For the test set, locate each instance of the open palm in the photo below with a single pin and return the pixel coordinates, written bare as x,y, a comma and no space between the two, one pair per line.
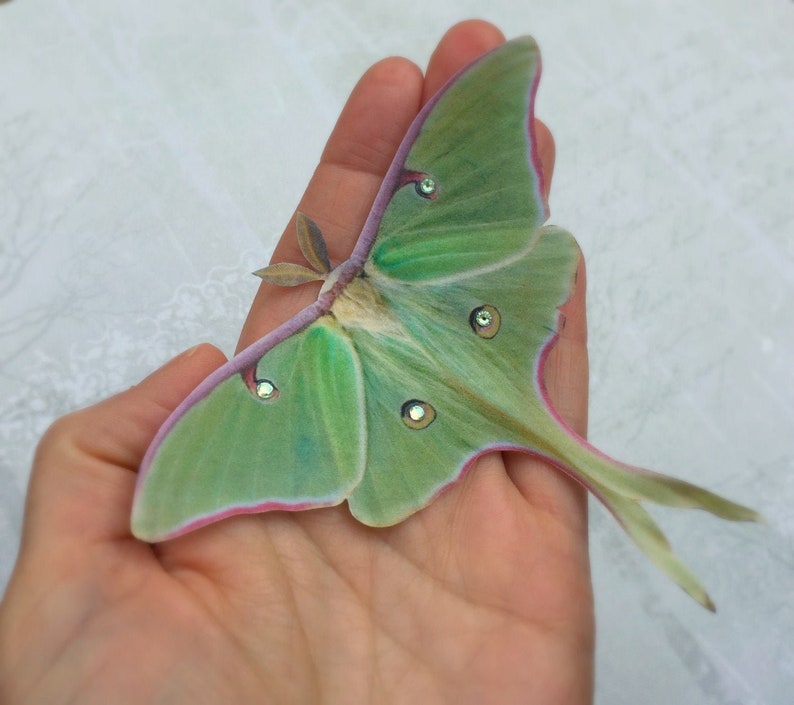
484,596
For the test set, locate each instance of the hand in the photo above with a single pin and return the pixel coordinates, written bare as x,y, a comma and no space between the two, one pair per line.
484,596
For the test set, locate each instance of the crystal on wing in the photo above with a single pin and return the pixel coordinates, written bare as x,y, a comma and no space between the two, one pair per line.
266,390
417,414
485,321
426,187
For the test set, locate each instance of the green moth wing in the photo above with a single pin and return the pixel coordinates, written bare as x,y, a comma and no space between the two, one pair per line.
474,162
209,460
478,378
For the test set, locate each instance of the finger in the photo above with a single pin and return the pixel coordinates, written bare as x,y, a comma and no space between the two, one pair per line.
546,154
460,45
566,378
339,195
85,466
567,366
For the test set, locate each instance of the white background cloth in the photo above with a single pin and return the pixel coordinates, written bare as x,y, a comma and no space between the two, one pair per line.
151,153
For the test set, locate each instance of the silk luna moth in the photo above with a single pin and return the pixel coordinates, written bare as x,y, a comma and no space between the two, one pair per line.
424,350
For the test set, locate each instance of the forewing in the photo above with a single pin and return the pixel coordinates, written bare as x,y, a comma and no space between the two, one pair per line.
296,444
468,191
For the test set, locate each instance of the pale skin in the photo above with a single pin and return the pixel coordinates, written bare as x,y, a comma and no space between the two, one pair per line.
484,596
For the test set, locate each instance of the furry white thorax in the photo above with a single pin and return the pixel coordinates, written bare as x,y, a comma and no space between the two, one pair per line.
360,305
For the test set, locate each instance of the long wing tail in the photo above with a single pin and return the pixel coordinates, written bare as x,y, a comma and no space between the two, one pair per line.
621,487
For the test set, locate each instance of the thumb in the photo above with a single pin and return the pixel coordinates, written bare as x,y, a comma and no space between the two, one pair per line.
84,471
